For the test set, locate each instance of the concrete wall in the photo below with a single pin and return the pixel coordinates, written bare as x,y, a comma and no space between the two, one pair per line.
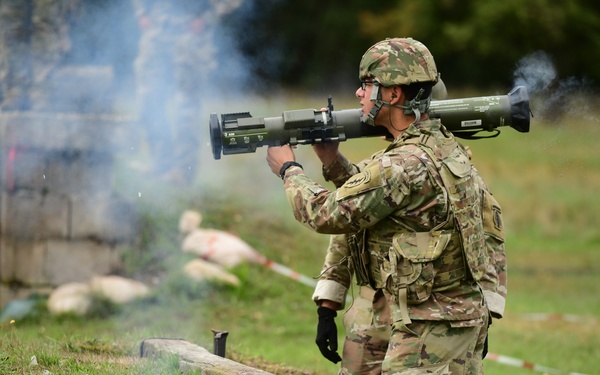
61,219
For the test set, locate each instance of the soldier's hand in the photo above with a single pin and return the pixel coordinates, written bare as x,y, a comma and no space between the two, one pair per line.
278,155
327,152
327,334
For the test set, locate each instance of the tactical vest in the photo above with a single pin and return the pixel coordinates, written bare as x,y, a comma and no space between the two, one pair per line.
454,167
414,264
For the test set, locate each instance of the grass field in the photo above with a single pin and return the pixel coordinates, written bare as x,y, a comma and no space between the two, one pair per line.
547,182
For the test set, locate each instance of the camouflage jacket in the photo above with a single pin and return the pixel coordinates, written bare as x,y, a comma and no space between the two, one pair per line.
401,196
337,271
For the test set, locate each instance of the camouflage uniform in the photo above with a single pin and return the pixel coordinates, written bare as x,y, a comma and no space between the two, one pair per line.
410,227
176,57
367,322
33,42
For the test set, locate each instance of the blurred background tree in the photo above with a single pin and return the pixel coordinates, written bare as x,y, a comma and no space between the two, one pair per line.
476,43
316,45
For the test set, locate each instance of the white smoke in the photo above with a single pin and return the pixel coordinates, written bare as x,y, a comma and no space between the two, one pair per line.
552,97
536,72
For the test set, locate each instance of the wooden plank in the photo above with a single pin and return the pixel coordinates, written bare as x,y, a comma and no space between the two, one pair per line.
195,358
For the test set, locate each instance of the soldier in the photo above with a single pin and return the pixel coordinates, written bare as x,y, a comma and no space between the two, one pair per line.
34,41
367,322
175,59
408,223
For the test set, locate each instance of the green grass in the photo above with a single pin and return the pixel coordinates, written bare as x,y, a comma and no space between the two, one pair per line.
547,182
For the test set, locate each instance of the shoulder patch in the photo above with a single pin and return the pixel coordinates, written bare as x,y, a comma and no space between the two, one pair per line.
492,216
369,179
361,178
497,214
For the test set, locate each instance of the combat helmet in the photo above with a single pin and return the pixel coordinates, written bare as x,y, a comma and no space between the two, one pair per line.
398,61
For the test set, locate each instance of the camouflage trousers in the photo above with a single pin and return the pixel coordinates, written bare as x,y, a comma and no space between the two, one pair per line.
368,329
376,344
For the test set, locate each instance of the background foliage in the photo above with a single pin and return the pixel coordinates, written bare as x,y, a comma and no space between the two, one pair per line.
476,43
312,44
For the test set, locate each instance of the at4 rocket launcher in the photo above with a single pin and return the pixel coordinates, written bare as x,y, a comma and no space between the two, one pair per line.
468,118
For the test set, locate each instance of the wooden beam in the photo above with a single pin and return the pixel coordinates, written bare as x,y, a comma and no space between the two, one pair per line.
194,358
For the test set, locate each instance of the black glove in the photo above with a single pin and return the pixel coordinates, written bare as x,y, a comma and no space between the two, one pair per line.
485,344
327,334
485,348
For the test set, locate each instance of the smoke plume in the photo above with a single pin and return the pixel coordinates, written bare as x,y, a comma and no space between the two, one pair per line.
552,97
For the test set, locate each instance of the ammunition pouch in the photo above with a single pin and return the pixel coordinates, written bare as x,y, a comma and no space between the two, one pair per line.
410,267
415,266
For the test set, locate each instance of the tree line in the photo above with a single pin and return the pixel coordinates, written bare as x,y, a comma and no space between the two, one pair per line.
476,43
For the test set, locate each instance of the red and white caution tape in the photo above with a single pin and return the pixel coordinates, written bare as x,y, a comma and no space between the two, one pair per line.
528,365
559,317
283,270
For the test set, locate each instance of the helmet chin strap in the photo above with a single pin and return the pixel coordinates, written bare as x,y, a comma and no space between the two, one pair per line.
376,98
415,106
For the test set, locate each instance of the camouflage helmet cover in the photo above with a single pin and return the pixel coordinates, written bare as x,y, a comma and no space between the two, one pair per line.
398,61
